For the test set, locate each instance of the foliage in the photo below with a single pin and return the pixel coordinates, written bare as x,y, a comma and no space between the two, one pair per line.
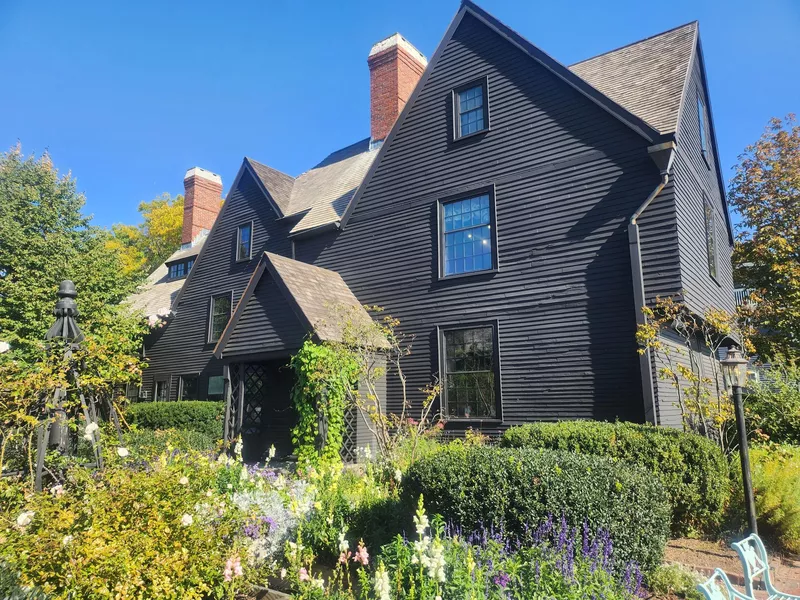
775,470
514,489
154,442
766,194
554,561
703,400
379,348
693,470
324,378
356,500
195,415
674,580
773,404
144,247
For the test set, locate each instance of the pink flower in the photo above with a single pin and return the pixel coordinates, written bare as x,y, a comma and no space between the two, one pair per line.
233,568
344,556
304,575
361,555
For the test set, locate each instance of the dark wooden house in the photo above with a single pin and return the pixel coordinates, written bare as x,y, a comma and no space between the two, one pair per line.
514,214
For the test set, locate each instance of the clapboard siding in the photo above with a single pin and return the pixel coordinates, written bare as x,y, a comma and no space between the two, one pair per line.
183,347
268,323
567,176
658,233
694,176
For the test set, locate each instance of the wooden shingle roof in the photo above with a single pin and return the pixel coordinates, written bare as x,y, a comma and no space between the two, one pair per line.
646,77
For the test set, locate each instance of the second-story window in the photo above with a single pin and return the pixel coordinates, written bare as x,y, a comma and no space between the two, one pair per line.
220,314
471,106
468,240
711,237
702,126
244,242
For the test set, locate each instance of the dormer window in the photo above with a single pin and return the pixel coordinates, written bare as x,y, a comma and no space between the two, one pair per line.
471,108
244,242
180,269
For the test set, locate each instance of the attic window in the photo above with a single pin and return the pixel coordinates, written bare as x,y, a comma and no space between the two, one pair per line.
702,127
180,269
471,108
244,242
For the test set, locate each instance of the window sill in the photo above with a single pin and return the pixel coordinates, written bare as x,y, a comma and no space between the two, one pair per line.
472,135
470,274
243,260
473,420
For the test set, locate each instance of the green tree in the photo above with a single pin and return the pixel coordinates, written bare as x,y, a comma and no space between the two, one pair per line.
766,194
144,247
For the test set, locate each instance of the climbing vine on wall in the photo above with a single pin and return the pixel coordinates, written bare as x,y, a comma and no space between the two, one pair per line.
324,375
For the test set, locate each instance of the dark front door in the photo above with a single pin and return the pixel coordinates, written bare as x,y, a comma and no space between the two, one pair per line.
268,415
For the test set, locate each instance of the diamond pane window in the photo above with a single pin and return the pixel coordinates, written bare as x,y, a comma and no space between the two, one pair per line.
189,387
467,231
469,374
471,115
220,313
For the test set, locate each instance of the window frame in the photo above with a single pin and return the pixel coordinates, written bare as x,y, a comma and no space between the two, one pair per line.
702,128
710,229
211,315
181,384
441,330
208,388
175,266
440,232
161,382
239,241
455,102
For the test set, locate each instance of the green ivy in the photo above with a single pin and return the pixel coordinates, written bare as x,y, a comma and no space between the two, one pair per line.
323,376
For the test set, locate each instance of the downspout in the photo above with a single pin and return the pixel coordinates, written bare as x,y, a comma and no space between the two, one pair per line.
662,155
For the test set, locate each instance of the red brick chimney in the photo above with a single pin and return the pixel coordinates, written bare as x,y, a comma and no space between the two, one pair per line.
202,201
395,67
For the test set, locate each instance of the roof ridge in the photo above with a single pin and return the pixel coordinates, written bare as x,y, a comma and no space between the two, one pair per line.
648,38
253,160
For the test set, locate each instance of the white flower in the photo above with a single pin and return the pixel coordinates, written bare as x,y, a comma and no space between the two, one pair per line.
344,545
382,585
272,452
209,493
24,519
398,475
186,520
122,452
184,480
66,540
4,347
57,490
89,431
283,573
230,486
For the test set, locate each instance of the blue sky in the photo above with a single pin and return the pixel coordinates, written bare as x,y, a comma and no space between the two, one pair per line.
129,95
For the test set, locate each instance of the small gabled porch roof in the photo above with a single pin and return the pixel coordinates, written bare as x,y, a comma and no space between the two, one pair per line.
318,298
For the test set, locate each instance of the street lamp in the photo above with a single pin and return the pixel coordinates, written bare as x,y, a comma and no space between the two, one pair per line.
735,368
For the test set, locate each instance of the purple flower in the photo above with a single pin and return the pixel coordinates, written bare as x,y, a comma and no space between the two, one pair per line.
502,579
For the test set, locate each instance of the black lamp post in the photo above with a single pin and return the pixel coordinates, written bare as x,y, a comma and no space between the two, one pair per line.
735,368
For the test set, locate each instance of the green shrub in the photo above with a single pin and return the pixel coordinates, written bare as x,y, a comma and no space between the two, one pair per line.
693,470
674,580
194,415
518,488
154,442
773,405
776,487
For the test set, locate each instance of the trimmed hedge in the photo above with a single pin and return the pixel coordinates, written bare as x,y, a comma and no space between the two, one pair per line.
693,469
194,415
518,488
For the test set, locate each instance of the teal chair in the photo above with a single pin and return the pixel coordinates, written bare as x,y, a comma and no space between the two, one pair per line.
756,564
718,587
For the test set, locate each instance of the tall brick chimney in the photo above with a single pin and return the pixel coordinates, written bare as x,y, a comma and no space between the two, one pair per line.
202,201
395,67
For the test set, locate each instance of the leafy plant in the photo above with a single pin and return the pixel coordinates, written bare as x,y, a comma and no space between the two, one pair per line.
515,489
674,580
324,377
693,470
194,415
773,404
